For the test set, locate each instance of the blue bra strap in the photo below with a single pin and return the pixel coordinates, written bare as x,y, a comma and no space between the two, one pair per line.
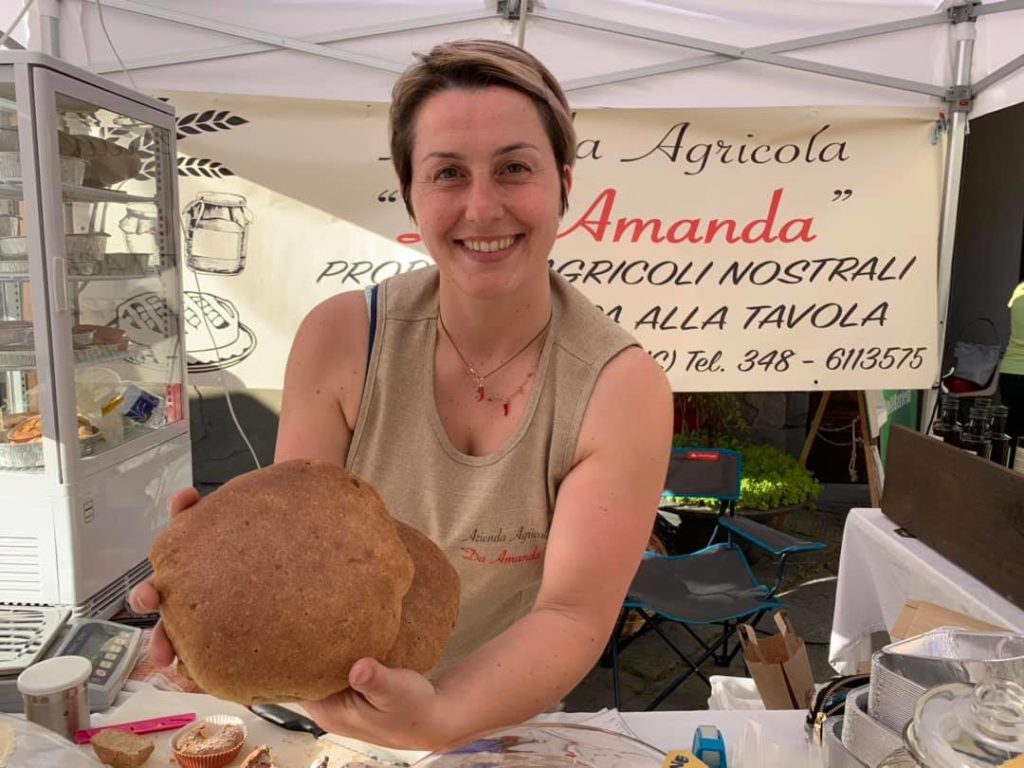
371,301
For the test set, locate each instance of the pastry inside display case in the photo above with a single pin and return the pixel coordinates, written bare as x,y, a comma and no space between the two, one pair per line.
21,444
116,248
20,424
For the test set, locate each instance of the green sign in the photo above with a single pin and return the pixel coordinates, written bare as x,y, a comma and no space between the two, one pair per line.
901,408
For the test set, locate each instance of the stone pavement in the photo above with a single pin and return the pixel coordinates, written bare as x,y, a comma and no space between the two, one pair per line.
809,596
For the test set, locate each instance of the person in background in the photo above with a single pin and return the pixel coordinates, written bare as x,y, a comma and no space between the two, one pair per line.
489,403
1011,369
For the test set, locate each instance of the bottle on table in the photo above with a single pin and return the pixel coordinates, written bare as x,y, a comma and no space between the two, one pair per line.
975,435
1002,444
948,427
985,403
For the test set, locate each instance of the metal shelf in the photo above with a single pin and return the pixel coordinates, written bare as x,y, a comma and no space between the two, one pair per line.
25,360
13,190
23,277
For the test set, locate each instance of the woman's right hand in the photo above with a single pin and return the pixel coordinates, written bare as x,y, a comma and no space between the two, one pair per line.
145,599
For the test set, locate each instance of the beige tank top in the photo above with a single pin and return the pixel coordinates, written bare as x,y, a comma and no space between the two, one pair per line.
490,514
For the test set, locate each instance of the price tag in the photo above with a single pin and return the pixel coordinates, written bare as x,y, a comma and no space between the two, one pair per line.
681,757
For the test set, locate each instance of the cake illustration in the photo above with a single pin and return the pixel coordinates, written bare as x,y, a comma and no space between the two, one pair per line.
215,338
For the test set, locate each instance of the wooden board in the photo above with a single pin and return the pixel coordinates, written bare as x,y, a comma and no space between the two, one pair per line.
966,508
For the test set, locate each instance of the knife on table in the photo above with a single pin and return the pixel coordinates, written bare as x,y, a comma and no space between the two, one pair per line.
296,721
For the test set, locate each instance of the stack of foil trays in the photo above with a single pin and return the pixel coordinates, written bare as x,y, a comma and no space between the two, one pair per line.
876,714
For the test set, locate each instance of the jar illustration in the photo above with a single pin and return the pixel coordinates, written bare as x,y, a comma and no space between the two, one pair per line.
141,229
216,232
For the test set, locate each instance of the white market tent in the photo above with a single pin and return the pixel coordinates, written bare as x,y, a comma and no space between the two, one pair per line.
963,58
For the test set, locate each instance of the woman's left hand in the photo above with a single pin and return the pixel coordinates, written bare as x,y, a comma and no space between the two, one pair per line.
384,706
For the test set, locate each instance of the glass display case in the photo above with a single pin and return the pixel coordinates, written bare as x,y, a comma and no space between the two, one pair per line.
93,413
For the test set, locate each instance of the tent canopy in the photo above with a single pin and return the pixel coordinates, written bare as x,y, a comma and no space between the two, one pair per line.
608,53
963,57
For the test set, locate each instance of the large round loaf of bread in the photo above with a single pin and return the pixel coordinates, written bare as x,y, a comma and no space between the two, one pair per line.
430,607
275,584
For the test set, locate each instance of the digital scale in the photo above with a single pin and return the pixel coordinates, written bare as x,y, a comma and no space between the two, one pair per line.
29,634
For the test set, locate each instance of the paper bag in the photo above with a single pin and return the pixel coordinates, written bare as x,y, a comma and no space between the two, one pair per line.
919,616
779,665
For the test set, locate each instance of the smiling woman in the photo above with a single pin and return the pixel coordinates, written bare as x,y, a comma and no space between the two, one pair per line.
490,404
486,192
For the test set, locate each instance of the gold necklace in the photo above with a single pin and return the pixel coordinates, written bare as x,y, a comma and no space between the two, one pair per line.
506,401
478,377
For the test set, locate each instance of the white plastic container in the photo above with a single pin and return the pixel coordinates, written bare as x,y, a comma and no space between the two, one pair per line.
9,226
72,169
13,248
85,245
54,694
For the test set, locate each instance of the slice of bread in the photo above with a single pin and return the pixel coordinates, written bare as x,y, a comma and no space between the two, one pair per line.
121,749
261,757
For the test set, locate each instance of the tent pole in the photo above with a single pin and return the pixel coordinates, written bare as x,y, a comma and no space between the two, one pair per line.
723,52
959,104
244,49
49,27
167,13
524,8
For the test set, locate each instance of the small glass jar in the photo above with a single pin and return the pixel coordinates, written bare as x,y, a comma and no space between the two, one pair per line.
54,694
961,725
217,233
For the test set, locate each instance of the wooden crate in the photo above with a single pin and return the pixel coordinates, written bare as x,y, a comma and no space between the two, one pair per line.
966,508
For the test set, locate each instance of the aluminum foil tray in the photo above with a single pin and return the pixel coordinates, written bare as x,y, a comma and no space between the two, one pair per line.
836,755
901,672
892,698
30,455
863,736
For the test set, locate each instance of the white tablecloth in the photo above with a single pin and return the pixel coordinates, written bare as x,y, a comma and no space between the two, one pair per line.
665,730
674,730
880,570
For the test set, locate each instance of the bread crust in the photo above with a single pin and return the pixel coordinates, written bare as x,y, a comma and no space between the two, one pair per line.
430,607
275,584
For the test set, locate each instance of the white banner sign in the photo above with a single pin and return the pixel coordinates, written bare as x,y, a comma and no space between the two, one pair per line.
746,249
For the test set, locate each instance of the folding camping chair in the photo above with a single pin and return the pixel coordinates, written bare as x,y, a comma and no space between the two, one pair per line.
712,586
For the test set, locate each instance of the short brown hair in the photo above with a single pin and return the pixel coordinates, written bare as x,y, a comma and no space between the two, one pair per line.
477,64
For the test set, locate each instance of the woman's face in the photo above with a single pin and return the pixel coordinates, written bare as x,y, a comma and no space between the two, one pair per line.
486,189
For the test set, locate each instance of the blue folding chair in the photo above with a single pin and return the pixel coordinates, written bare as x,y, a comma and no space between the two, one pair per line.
713,586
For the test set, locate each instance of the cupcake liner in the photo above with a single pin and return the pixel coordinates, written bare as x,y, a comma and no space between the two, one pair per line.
214,760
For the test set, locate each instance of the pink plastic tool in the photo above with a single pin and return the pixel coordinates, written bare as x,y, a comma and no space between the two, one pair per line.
168,723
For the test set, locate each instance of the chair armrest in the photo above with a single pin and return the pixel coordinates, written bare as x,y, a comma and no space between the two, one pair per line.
767,538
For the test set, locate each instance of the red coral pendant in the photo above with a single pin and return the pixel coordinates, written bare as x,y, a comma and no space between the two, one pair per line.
480,393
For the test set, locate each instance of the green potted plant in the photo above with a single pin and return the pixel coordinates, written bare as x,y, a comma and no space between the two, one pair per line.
773,483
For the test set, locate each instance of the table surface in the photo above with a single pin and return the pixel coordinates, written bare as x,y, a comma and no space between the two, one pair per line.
879,570
664,730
